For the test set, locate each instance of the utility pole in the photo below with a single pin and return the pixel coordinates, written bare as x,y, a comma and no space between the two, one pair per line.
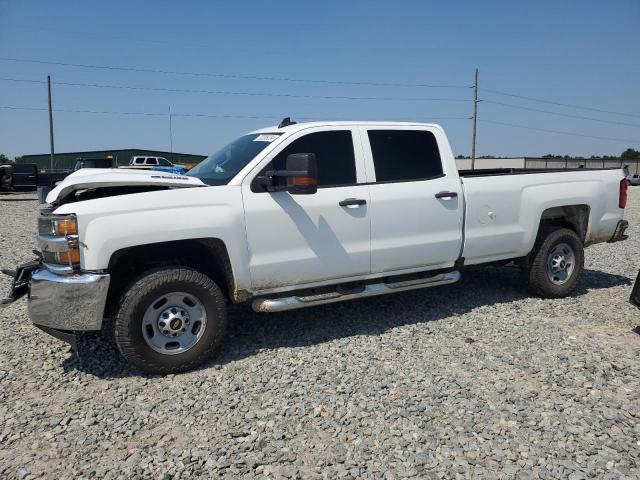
475,121
171,133
50,121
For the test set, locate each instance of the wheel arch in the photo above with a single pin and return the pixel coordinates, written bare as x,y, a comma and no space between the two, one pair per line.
574,217
206,255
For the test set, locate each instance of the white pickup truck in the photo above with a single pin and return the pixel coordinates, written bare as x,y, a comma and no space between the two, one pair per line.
293,216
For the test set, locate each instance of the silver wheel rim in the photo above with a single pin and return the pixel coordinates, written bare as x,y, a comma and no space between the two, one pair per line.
560,264
174,323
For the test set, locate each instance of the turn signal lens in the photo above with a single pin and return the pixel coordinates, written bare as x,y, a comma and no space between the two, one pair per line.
304,180
69,257
66,226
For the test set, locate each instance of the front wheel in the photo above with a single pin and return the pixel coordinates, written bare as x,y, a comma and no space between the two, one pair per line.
555,264
171,320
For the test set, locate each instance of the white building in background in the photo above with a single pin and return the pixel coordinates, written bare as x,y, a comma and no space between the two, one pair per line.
485,163
549,163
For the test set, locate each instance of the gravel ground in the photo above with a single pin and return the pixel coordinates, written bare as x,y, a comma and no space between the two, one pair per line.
475,379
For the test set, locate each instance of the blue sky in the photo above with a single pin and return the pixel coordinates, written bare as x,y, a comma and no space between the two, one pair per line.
574,52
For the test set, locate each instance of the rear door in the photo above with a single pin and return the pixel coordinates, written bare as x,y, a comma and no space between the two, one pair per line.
416,206
299,239
24,175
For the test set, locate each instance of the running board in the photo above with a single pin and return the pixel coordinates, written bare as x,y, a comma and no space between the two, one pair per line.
291,303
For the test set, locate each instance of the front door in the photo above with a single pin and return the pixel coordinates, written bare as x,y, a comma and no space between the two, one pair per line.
300,239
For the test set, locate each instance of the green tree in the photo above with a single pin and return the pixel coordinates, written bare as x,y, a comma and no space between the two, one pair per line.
4,159
630,153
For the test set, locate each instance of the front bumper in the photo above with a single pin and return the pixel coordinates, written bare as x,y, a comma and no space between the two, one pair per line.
73,302
60,302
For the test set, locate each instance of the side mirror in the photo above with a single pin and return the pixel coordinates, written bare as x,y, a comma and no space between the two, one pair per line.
635,293
301,174
299,178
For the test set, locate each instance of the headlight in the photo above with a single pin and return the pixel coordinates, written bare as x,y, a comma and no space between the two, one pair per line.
58,240
58,225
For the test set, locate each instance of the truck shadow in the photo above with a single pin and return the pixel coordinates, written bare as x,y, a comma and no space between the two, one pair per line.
250,333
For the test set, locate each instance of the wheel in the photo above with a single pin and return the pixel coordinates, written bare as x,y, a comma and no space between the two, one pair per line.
555,263
171,320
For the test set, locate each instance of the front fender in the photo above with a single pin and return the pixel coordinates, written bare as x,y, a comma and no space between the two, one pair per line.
107,225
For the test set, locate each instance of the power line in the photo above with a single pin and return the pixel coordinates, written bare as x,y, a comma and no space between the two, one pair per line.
149,114
323,97
307,80
174,114
229,75
224,92
269,117
550,102
560,114
129,39
562,132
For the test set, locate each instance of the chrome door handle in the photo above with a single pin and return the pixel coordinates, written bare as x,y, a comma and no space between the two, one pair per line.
347,202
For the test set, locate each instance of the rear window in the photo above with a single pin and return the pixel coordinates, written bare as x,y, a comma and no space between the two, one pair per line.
24,168
405,155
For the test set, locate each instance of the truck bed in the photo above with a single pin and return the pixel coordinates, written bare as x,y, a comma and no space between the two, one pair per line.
502,215
490,172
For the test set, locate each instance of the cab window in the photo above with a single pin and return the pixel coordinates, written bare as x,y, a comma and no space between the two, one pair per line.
334,154
405,155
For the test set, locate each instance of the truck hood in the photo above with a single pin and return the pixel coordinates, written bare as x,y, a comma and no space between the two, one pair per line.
95,178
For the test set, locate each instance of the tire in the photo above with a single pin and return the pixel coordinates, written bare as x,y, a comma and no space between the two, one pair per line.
543,274
182,296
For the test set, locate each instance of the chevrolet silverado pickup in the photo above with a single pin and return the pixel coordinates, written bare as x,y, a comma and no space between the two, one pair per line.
292,216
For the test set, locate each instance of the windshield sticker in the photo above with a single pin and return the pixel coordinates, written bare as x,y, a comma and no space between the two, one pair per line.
266,137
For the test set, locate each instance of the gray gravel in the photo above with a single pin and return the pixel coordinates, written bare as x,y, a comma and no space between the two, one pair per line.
474,379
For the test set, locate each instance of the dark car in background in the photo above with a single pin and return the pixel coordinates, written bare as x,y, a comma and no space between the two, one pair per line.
24,176
18,177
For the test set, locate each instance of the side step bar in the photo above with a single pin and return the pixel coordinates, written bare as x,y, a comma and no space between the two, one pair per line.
291,303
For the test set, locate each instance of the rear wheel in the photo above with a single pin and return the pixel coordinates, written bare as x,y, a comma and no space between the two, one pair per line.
555,264
171,320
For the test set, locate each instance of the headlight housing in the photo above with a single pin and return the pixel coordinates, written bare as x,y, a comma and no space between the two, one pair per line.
58,240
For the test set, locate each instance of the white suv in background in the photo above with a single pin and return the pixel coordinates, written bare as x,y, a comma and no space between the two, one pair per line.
150,162
156,163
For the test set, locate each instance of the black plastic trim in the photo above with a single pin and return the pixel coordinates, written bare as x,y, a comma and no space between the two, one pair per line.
496,172
635,293
67,336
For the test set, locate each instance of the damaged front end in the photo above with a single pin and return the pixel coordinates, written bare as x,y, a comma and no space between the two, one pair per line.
21,279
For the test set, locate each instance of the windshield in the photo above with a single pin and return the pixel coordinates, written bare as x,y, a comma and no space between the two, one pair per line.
223,165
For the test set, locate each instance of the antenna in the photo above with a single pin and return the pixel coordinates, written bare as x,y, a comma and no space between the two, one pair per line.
286,121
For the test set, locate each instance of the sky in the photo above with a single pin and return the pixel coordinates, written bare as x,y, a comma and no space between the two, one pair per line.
324,60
